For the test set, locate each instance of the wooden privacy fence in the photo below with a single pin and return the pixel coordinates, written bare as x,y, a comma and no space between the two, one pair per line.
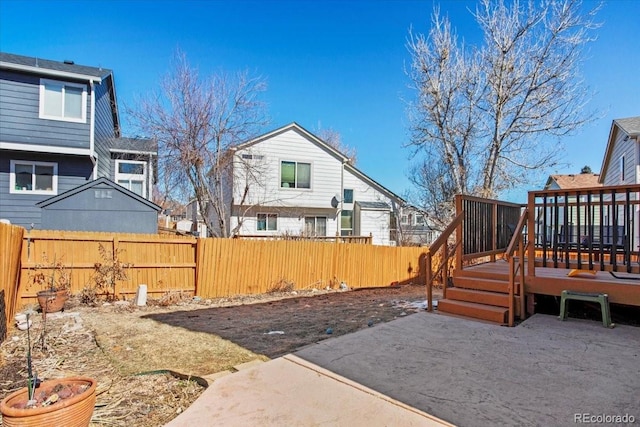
212,267
235,266
10,244
162,263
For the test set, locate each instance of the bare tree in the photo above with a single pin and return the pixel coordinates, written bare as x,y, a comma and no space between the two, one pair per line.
333,138
488,117
195,121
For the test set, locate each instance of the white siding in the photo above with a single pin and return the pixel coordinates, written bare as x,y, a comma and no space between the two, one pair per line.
376,223
362,191
629,150
288,146
286,223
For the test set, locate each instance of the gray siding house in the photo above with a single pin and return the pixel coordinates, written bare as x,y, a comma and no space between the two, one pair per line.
60,129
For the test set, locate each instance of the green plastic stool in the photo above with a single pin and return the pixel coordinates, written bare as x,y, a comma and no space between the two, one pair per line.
603,299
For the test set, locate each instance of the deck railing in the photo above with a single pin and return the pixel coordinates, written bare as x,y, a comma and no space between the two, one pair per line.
516,266
589,228
487,227
482,228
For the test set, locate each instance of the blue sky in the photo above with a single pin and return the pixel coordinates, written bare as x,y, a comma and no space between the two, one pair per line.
328,64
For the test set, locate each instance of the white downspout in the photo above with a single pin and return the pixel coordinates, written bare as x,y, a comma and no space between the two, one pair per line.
339,214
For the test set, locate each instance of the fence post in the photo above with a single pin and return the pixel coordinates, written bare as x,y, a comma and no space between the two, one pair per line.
196,271
429,279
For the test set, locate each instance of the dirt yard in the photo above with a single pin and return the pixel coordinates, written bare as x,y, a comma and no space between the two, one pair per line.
135,352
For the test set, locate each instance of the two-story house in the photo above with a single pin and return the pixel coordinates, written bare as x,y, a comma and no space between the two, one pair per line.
59,131
289,181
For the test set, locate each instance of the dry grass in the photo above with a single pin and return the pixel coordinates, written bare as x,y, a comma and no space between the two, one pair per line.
140,345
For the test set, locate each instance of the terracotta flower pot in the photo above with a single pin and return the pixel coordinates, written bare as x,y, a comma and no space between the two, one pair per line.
52,301
73,411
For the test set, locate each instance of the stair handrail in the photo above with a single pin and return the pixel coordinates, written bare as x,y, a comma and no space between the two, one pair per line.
440,242
516,243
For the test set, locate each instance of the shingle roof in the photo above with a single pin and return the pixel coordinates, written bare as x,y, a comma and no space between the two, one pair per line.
62,66
94,183
630,125
582,180
134,144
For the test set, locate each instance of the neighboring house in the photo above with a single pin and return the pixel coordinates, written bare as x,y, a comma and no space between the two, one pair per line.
573,181
289,181
193,221
573,215
621,164
414,228
59,129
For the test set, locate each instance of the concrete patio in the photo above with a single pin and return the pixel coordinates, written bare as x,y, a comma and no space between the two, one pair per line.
429,369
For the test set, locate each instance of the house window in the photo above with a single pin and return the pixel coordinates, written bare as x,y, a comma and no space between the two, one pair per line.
267,222
622,169
33,177
347,196
419,219
131,174
315,226
346,223
63,101
404,219
295,175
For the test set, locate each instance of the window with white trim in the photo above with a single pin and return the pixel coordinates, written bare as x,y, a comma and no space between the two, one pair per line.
267,222
315,226
63,101
295,175
621,165
418,219
347,195
33,177
132,175
404,219
346,223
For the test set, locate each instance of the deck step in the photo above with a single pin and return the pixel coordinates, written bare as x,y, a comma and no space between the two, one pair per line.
476,311
497,299
480,297
481,284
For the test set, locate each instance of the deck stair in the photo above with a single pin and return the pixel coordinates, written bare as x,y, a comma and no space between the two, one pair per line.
479,295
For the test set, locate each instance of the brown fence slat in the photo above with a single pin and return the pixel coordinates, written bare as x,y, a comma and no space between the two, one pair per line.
10,250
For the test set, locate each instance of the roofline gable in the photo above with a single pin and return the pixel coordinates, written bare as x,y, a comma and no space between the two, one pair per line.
608,151
295,127
93,183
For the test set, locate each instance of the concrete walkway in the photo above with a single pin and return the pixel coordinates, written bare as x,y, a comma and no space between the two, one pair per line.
289,391
543,372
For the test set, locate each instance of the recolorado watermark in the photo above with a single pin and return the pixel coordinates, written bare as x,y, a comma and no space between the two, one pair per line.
586,418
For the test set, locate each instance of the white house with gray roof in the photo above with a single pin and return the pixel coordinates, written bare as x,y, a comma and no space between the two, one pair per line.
59,129
289,181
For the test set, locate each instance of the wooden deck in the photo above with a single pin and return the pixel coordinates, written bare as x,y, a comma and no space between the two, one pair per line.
552,281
